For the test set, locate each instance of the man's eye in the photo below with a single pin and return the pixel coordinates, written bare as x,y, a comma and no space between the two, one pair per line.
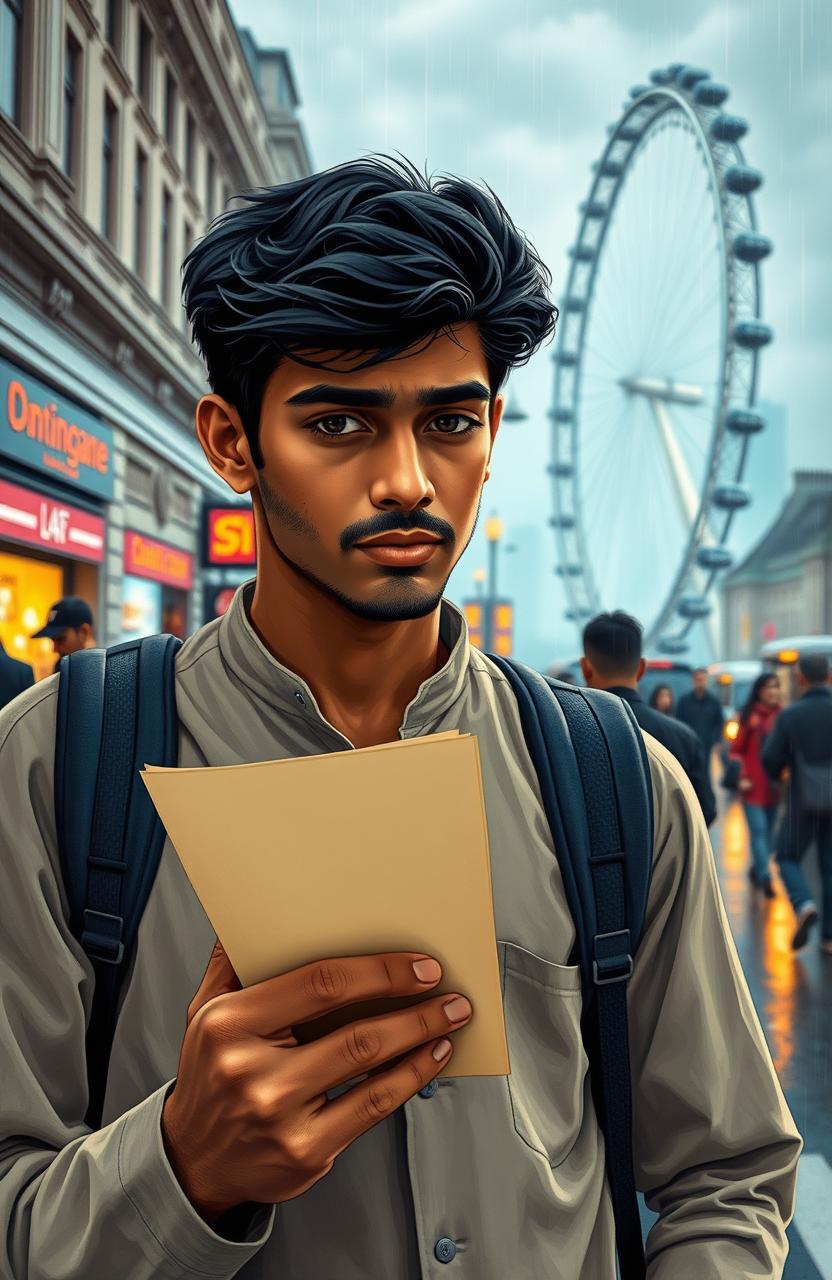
456,424
334,425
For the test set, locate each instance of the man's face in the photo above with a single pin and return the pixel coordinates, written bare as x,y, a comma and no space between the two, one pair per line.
400,451
69,641
700,681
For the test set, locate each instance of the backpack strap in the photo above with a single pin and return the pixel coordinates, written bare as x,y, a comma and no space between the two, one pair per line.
595,785
116,713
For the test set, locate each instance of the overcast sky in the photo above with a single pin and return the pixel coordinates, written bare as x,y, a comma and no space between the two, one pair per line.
523,103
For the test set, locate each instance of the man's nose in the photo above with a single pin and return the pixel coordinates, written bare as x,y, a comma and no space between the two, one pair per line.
401,479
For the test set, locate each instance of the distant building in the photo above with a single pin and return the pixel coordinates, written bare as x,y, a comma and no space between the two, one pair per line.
784,585
125,128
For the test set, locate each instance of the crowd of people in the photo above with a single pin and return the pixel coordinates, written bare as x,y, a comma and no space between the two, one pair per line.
784,756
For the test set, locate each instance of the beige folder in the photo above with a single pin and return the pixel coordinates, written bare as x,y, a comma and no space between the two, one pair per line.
353,852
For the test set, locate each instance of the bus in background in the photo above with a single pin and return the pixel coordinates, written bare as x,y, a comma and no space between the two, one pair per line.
782,656
678,676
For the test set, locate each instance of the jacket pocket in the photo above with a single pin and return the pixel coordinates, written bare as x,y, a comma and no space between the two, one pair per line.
542,1005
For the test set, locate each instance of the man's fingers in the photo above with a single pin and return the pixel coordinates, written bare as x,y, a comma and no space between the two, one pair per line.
307,993
219,978
340,1122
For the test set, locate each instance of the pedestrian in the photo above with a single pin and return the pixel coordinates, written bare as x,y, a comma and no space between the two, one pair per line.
760,796
358,325
703,712
70,626
15,676
612,660
799,751
661,699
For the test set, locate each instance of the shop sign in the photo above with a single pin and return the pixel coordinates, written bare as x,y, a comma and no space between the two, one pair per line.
147,558
229,535
55,526
54,435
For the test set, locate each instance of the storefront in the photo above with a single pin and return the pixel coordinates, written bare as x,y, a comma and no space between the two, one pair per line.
156,583
56,479
228,555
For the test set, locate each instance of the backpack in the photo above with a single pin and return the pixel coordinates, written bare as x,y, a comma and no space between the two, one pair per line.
117,712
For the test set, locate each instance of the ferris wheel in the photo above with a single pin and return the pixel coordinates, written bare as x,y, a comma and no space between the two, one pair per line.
657,363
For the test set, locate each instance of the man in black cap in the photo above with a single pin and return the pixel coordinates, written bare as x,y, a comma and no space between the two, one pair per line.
612,660
15,676
69,625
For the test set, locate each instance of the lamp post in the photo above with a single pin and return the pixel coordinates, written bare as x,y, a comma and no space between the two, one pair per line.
479,581
493,532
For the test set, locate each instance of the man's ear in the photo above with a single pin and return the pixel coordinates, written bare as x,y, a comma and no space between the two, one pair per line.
586,668
642,667
224,443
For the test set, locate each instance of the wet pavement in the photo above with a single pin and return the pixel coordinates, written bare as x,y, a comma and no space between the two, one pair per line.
793,997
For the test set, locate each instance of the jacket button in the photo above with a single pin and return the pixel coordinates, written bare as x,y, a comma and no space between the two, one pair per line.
429,1089
444,1249
300,698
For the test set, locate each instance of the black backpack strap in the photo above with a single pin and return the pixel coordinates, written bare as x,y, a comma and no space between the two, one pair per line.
595,785
116,713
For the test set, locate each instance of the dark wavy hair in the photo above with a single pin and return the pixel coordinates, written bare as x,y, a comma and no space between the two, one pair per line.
754,696
368,258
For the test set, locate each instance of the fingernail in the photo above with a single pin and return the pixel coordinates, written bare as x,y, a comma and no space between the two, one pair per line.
427,970
442,1049
457,1009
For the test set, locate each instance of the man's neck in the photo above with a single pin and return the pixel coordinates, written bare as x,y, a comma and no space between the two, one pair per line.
363,673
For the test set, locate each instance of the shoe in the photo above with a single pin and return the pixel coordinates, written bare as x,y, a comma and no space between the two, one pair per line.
826,946
806,917
768,888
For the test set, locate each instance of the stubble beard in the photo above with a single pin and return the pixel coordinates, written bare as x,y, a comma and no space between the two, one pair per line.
404,603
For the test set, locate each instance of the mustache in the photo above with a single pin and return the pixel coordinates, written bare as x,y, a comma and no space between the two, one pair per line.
394,522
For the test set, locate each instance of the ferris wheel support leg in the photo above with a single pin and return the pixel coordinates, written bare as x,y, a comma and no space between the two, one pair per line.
688,500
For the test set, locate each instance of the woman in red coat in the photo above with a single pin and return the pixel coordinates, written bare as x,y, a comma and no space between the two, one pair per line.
760,796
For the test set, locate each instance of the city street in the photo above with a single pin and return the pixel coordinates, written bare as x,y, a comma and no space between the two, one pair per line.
793,997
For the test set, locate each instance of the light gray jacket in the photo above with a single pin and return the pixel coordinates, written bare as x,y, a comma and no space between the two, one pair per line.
509,1169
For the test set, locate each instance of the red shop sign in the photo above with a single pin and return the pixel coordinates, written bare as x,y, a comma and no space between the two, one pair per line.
55,526
148,558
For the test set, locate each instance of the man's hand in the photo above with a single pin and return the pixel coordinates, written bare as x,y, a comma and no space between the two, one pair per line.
248,1118
744,784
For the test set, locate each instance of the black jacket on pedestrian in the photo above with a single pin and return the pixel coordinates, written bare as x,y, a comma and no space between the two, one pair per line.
14,677
680,741
804,727
704,715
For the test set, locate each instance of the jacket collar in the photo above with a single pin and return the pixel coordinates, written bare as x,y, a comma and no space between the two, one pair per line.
285,691
622,691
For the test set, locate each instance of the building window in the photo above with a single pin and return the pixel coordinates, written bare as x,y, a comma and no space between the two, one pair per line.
11,25
139,209
72,64
113,24
190,147
165,266
210,183
145,62
170,109
187,245
108,170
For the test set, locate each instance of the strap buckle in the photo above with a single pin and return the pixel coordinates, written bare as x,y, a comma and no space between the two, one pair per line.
102,936
613,961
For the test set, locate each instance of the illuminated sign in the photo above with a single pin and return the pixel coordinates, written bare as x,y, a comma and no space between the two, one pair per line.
229,535
53,434
147,558
54,526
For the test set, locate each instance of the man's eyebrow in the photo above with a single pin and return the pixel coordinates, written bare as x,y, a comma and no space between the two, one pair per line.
384,397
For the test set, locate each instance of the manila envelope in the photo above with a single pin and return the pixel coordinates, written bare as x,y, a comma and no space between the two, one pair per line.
354,852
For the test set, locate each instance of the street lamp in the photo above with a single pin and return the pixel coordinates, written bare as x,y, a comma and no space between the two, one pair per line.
493,532
479,581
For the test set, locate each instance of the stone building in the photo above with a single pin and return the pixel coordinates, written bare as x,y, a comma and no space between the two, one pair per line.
125,127
783,587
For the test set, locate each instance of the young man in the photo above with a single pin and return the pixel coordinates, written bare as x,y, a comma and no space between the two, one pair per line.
70,625
357,327
612,660
801,744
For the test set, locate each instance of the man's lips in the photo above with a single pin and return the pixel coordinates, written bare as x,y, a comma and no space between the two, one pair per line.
399,548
